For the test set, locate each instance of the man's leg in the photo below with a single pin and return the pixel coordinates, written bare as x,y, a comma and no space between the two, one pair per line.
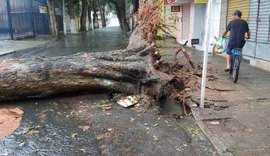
228,61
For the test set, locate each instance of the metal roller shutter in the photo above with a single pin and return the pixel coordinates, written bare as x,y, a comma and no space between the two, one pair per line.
253,18
242,5
264,21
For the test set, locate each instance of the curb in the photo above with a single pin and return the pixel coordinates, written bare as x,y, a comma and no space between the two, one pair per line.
215,140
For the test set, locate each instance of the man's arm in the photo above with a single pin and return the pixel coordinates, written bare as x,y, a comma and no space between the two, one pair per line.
248,35
225,32
248,32
228,28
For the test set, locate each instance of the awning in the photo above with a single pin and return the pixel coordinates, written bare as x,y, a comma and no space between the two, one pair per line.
201,1
175,1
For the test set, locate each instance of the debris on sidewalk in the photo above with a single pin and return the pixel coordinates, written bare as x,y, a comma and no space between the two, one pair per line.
10,120
128,101
32,130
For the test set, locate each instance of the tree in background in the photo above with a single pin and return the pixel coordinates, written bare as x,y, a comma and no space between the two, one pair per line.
53,21
135,6
81,11
84,15
95,15
120,9
72,14
101,6
90,13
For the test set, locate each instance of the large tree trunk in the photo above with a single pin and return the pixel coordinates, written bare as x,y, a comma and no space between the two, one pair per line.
95,15
135,6
71,12
102,12
130,71
84,15
90,15
53,21
135,10
120,7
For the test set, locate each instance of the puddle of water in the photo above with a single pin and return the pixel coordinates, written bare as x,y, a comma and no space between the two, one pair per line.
171,107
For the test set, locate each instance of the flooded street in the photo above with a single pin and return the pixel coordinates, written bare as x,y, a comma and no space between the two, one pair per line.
81,124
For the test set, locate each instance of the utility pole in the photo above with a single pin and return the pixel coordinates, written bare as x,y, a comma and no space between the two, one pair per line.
9,19
64,17
206,50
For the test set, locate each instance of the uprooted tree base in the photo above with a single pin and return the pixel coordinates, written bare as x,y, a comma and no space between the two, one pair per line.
134,70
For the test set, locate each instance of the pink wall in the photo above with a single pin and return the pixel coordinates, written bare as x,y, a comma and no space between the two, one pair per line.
185,21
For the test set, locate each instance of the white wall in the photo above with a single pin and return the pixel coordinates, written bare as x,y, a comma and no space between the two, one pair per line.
217,22
223,16
197,21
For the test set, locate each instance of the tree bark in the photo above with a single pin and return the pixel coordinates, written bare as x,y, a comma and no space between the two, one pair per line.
53,21
90,15
71,9
95,15
102,12
71,12
120,7
135,6
130,71
84,15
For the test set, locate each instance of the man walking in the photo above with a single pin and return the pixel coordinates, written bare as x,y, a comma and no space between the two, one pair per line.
239,32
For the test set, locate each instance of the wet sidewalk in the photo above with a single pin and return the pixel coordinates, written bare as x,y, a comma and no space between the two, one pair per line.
236,117
11,46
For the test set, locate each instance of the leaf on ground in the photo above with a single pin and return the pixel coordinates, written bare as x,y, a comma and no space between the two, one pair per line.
73,113
107,108
21,144
47,139
132,119
248,130
32,130
84,128
155,137
110,129
74,136
178,148
83,150
59,113
155,125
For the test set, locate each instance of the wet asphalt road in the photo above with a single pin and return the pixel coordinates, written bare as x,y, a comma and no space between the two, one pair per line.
78,125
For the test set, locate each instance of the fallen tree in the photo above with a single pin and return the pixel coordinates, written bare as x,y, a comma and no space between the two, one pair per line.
134,70
129,70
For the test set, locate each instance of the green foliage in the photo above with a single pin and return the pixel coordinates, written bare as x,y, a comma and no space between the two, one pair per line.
116,96
77,9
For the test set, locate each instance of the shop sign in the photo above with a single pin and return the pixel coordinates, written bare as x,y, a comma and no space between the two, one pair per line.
168,1
43,9
200,1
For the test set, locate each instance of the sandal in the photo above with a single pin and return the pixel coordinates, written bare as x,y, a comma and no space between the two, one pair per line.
227,69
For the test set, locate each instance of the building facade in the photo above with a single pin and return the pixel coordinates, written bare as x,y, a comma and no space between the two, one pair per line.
26,18
189,17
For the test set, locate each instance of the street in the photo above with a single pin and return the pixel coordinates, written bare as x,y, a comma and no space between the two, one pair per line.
81,124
